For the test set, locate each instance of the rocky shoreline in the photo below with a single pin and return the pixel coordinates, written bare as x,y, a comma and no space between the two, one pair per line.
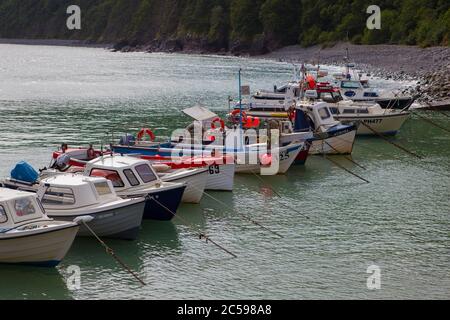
430,67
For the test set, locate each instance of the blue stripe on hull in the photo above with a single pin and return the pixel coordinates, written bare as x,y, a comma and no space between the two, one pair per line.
387,133
46,264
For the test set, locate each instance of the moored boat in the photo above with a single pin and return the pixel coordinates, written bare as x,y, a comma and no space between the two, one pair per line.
68,196
28,235
133,177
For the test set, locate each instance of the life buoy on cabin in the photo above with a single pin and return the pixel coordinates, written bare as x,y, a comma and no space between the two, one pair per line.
215,120
235,116
144,131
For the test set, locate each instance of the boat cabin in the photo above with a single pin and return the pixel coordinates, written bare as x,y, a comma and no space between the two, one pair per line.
18,208
124,172
74,191
354,89
318,116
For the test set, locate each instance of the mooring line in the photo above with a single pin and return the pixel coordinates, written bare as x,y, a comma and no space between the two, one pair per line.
112,253
201,235
430,121
436,109
391,142
243,215
345,169
278,194
343,155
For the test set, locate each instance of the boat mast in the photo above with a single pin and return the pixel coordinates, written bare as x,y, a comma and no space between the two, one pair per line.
240,99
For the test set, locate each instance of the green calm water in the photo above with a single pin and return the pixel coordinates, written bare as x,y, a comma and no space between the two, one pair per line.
340,225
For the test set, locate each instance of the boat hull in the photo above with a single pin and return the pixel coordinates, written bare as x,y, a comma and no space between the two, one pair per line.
195,185
221,177
163,205
388,124
44,249
285,157
338,144
118,223
403,103
302,156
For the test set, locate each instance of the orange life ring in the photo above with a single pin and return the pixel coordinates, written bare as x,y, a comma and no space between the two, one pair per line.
236,119
147,131
217,119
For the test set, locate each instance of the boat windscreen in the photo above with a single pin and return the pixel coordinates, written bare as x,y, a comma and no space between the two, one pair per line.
324,113
350,85
111,175
102,188
145,172
3,215
24,207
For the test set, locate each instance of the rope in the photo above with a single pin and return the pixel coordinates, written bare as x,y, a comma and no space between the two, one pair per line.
111,252
393,143
201,235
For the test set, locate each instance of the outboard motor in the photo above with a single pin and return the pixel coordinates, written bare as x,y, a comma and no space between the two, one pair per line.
127,140
24,172
62,163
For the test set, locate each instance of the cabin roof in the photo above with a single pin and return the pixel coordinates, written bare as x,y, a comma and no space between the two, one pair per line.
199,113
115,161
71,180
10,194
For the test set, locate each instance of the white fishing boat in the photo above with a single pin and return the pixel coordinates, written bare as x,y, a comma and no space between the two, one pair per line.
68,196
329,136
134,177
28,235
370,118
352,87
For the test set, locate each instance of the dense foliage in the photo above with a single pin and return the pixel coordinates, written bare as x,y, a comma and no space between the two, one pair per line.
224,24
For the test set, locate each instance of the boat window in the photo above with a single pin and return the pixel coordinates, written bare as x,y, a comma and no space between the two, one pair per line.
111,175
58,196
24,207
334,110
363,110
3,215
145,172
131,177
349,111
324,113
102,188
350,85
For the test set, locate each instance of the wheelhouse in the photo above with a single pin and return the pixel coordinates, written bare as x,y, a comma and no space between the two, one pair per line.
123,172
18,207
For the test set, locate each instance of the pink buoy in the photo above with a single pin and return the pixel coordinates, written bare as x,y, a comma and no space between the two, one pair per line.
266,159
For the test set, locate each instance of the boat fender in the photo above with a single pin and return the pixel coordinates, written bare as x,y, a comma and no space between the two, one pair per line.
161,167
266,159
85,219
144,131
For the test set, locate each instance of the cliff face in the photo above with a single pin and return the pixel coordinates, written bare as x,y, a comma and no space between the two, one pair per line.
253,26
